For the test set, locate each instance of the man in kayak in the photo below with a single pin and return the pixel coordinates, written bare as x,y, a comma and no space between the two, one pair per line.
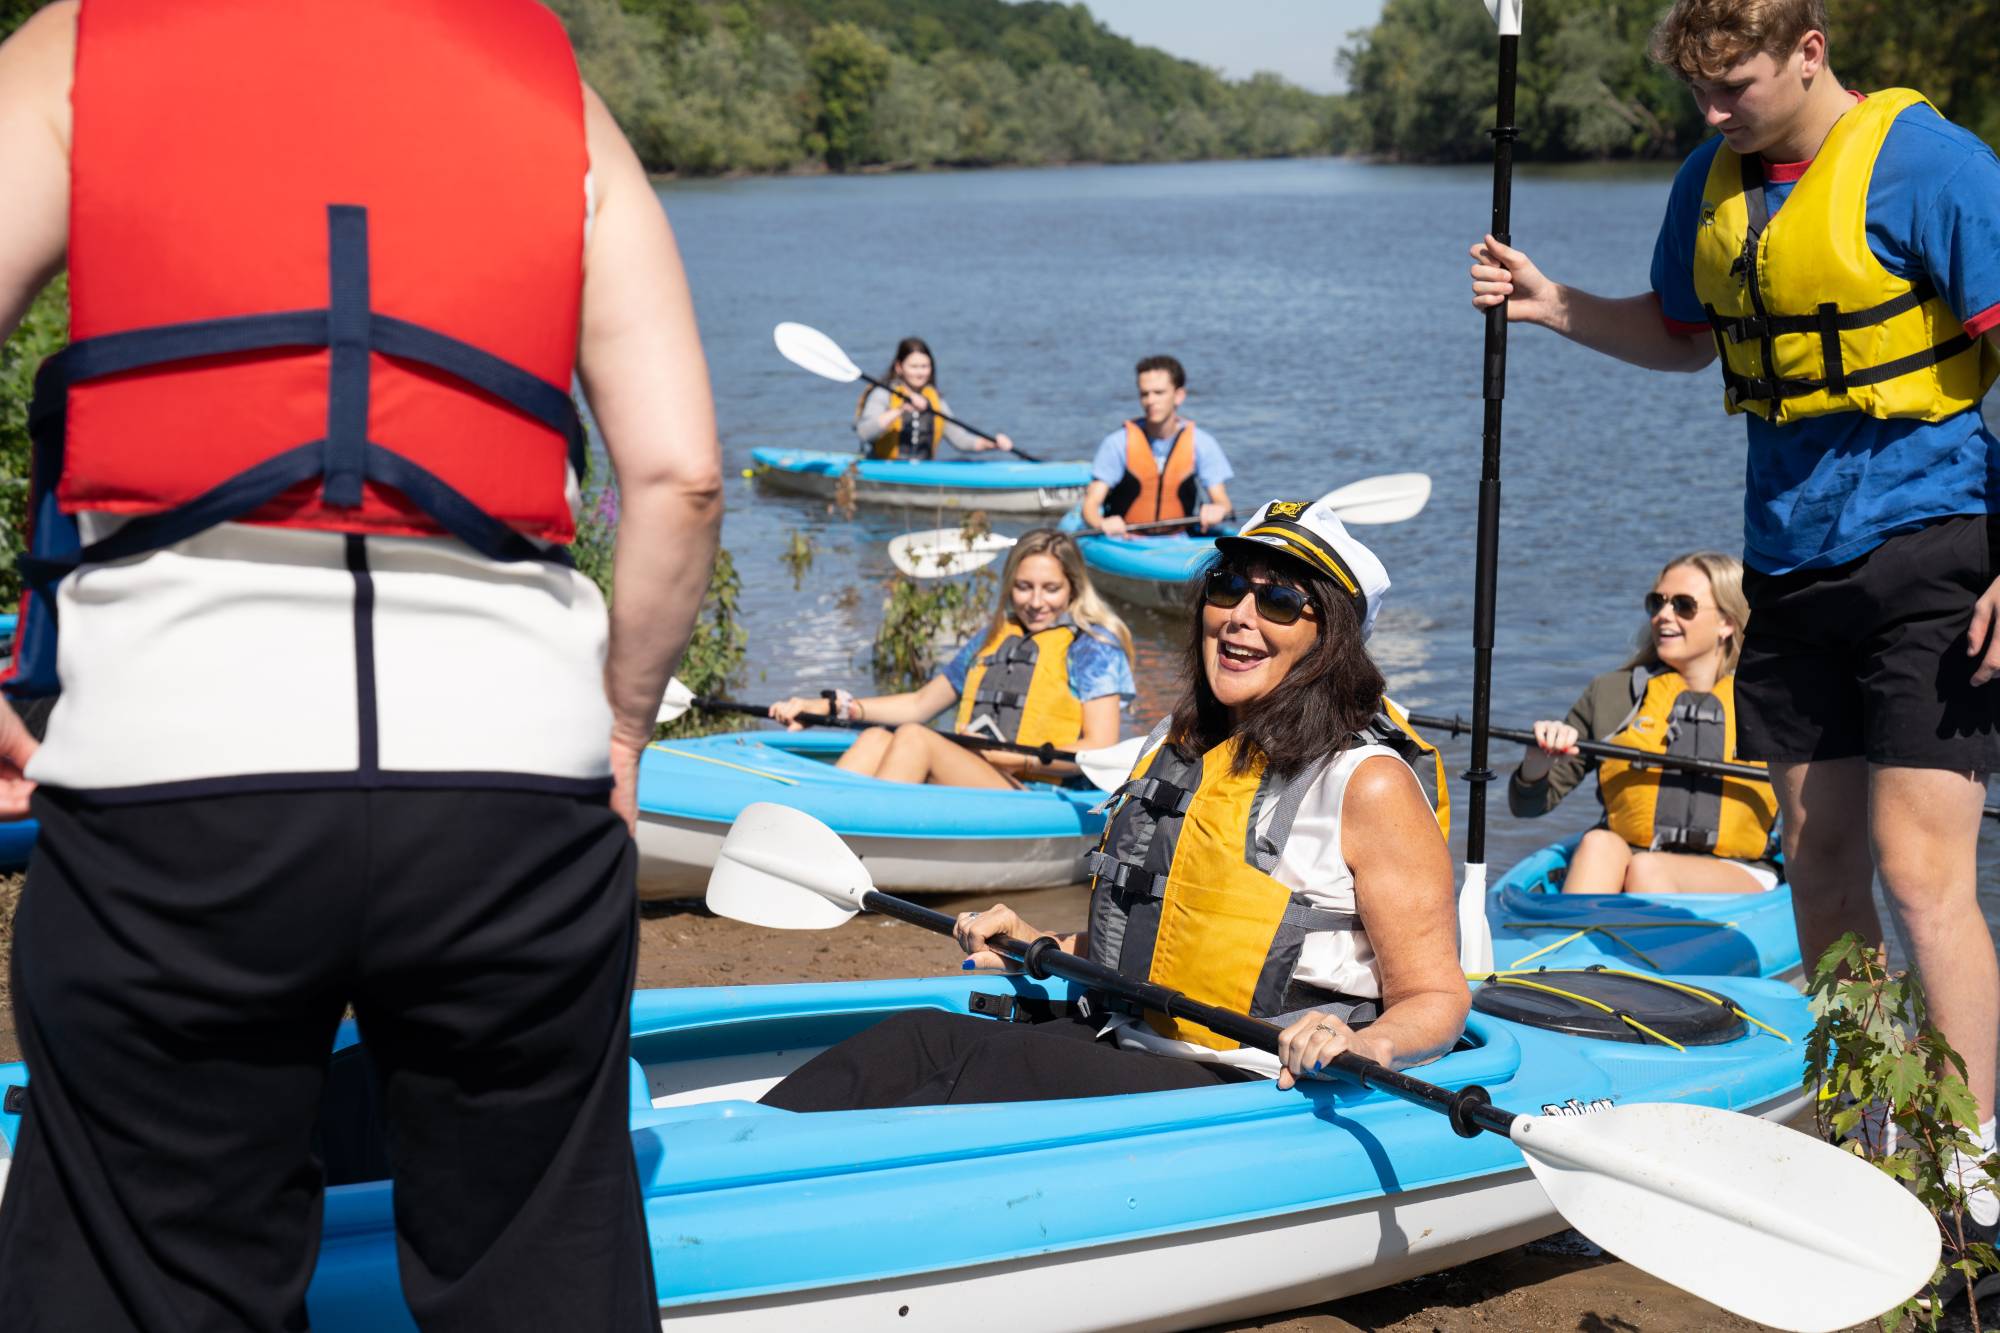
339,722
1159,466
1841,254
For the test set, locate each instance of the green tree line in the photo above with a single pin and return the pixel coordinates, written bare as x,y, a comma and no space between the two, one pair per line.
1421,81
704,87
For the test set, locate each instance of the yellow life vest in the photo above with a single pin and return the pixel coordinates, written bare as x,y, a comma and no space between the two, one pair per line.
1658,809
916,437
1182,892
1806,318
1018,688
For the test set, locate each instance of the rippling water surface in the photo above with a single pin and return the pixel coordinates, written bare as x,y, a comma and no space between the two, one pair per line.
1322,311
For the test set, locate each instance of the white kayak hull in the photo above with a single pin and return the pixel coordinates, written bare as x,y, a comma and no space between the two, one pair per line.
676,855
1035,500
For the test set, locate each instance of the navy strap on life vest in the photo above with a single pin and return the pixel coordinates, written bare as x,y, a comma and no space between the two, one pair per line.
345,457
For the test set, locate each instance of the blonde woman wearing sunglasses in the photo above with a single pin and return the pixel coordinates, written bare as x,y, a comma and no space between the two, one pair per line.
1665,830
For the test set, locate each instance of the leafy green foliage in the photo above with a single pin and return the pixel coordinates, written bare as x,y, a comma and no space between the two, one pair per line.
923,622
706,86
715,650
1891,1090
42,332
1422,80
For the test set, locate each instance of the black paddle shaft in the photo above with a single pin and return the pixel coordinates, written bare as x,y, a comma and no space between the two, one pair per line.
1457,726
1024,456
1486,576
1470,1109
1042,754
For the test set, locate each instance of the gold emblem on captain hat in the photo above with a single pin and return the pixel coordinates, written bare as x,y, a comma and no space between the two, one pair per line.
1288,508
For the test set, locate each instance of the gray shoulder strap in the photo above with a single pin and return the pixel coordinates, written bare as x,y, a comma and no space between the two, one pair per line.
1270,844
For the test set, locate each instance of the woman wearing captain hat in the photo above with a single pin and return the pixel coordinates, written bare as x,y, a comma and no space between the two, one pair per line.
1266,856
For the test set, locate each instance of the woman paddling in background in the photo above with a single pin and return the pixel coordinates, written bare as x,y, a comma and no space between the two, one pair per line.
903,422
1264,857
1665,830
1053,667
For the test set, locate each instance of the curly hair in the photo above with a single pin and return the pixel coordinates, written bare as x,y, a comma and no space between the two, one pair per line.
1329,694
1704,39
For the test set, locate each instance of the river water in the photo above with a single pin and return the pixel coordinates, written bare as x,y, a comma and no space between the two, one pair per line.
1322,311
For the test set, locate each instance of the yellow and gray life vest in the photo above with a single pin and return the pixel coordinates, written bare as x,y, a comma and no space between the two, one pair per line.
1182,892
1673,810
1806,318
917,436
1018,690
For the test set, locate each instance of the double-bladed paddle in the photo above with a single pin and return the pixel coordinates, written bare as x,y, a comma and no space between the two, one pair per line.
809,349
1720,768
1106,768
944,552
1749,1215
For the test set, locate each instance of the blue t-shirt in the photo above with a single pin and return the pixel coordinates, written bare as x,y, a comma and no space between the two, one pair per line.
1211,467
1829,489
1097,667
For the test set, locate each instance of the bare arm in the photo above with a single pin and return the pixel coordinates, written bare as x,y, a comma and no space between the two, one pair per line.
642,368
918,705
1982,638
1111,525
1626,327
36,65
1403,892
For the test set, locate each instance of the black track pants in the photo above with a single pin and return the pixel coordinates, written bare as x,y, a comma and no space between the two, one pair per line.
929,1058
179,970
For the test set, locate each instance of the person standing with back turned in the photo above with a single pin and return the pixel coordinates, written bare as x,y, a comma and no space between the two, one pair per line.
339,722
1841,254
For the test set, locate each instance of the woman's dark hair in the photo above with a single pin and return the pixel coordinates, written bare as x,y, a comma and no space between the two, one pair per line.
1330,694
903,349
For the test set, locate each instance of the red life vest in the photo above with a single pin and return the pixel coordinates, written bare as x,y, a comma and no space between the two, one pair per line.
326,268
1149,492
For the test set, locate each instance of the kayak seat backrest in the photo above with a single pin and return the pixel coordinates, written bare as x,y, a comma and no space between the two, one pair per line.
1610,1006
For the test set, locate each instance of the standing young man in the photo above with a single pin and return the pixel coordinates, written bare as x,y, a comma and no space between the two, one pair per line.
1841,253
1158,466
339,723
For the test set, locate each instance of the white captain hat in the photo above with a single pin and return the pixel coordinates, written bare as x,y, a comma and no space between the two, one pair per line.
1311,533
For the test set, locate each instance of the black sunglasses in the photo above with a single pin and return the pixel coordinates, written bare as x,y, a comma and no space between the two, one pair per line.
1684,606
1276,602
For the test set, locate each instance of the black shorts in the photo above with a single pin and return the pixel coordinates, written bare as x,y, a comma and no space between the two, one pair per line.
1869,658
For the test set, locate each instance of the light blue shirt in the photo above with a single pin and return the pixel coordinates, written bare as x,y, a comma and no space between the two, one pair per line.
1211,467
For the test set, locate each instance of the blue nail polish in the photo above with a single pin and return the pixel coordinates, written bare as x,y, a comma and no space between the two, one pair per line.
1315,1066
967,965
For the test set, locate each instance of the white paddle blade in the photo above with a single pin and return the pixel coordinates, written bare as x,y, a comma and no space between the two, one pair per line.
781,868
1390,498
1761,1220
1506,15
1107,769
809,349
943,552
1475,932
677,700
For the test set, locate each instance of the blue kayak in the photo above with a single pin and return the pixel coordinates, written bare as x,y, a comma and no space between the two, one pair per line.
1535,924
1163,1210
913,838
1142,571
1009,487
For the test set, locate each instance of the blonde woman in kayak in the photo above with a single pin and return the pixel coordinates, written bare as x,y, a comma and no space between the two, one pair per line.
1265,857
904,421
1664,830
1053,666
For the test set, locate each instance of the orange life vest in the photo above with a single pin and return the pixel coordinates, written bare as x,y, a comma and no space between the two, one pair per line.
1148,492
338,289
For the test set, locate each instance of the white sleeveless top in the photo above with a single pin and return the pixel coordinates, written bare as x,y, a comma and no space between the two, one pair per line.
1312,867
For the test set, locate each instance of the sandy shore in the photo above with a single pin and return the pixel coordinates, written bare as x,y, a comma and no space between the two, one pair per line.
1537,1289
